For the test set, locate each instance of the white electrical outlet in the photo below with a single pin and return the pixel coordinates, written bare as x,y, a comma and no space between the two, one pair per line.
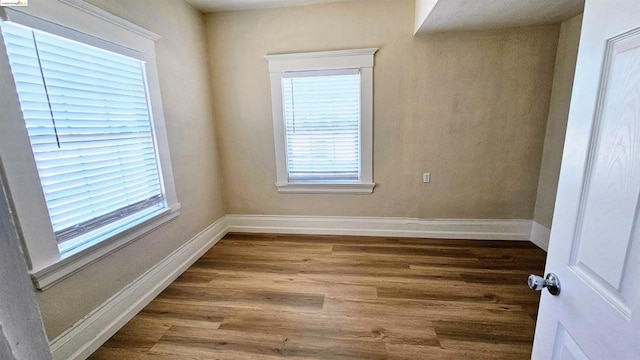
426,177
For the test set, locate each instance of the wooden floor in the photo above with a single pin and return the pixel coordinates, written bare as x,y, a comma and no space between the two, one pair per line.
320,297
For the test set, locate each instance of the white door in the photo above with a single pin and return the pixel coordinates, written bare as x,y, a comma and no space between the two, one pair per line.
595,239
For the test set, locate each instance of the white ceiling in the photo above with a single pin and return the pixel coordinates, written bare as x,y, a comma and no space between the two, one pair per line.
459,15
442,15
227,5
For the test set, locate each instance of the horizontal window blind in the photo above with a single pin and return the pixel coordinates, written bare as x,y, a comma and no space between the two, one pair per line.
89,124
322,124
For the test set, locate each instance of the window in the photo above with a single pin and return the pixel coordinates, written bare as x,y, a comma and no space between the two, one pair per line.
322,125
92,123
322,114
88,122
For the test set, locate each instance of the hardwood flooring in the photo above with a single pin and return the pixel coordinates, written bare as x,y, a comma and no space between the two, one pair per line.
336,297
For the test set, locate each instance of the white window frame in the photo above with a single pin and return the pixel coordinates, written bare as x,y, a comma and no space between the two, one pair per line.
361,59
50,262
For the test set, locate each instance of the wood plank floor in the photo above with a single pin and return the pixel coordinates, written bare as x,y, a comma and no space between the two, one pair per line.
336,297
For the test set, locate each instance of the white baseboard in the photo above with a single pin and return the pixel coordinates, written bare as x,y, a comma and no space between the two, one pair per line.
382,226
88,334
540,235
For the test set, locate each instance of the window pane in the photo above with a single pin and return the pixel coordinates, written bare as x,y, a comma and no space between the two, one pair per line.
322,122
89,124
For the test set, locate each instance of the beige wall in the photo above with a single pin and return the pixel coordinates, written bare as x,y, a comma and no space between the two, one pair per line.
185,86
471,108
557,124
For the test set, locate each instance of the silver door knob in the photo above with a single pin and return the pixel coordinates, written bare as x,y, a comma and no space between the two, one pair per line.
551,282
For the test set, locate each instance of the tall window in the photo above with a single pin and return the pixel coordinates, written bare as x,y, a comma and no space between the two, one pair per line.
83,142
322,113
89,125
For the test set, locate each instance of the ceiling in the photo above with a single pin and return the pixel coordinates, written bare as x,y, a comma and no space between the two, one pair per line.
228,5
459,15
442,15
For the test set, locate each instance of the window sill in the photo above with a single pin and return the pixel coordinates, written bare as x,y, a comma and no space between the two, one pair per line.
325,188
78,258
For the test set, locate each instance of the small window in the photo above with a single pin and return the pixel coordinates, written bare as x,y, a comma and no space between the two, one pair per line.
89,125
322,121
322,113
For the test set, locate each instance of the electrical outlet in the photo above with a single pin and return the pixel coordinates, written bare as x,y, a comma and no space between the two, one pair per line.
426,177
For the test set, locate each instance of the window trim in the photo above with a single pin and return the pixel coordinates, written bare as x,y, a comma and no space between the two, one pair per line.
48,261
361,59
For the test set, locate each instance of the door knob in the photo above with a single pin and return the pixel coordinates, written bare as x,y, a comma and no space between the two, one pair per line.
551,282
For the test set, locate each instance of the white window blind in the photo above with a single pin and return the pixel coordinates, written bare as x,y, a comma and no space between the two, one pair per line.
88,120
322,124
